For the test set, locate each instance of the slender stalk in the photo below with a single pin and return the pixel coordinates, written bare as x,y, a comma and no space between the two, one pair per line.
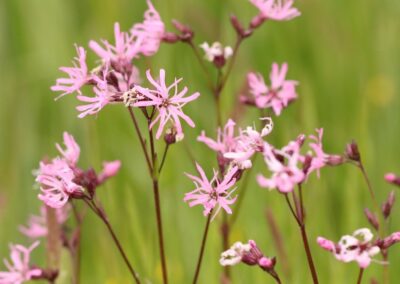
102,215
360,275
367,180
308,252
75,246
141,140
304,238
382,223
243,190
203,66
292,210
230,64
160,231
276,277
157,205
202,248
164,157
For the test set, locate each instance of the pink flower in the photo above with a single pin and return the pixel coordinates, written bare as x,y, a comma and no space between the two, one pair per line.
78,75
283,166
212,193
278,10
357,247
248,143
319,159
56,181
278,95
124,50
169,107
110,169
95,104
19,270
225,142
150,33
72,150
37,225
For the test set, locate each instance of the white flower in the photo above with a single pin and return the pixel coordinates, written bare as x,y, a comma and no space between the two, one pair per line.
234,255
216,50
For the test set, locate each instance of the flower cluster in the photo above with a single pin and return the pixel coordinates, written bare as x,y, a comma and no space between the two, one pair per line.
212,193
359,246
116,79
289,167
249,254
61,179
237,149
277,96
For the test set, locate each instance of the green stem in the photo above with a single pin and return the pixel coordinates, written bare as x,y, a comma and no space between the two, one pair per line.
202,248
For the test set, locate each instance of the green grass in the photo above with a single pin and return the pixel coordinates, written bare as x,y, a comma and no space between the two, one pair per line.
345,54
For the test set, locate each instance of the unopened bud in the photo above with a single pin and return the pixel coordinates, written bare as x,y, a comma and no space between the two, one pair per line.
392,178
335,160
171,136
388,205
219,61
239,28
352,152
170,37
257,21
372,219
186,32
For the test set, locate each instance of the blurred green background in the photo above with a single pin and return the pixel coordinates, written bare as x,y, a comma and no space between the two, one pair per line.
346,56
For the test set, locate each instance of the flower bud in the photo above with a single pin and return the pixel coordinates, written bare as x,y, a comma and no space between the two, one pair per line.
187,33
372,219
335,160
170,37
352,152
239,28
388,205
257,21
392,178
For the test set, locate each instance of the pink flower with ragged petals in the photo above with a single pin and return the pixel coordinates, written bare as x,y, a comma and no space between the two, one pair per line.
249,142
37,225
94,104
278,95
72,150
357,247
150,32
212,193
169,106
283,165
319,159
78,75
225,142
278,10
110,169
56,181
125,49
19,270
